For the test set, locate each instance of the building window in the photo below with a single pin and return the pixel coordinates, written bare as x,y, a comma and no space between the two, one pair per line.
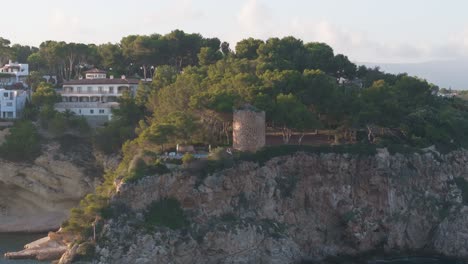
91,111
78,89
90,89
111,89
5,94
100,89
101,111
79,111
9,104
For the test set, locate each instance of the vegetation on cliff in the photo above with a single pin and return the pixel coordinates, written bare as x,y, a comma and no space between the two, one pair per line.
196,84
22,144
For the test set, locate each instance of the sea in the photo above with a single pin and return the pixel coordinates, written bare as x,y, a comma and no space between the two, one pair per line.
16,242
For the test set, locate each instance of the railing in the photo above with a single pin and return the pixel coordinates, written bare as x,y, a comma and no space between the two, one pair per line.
86,105
89,92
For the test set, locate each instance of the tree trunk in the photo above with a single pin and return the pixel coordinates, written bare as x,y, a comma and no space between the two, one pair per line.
287,133
300,138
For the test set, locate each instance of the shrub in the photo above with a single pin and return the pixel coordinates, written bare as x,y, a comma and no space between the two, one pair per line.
139,169
22,144
157,168
85,252
188,158
165,213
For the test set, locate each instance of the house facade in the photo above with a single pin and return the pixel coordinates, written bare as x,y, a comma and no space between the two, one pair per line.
12,103
13,73
95,96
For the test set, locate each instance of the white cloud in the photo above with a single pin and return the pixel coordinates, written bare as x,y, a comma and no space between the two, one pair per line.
257,20
176,13
255,17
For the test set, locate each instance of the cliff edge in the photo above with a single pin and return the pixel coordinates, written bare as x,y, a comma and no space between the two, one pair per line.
293,209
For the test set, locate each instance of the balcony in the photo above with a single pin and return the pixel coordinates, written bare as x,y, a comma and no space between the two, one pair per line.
68,105
68,92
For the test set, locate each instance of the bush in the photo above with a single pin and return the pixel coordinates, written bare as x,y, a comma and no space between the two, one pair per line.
22,144
165,213
157,168
85,252
58,123
140,170
187,158
109,139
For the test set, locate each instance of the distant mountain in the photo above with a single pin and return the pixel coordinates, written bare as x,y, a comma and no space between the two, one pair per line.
446,74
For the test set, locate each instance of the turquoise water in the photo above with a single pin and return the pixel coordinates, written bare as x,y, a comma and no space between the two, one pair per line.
16,242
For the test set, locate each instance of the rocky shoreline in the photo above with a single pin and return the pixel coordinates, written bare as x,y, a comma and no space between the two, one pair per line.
46,248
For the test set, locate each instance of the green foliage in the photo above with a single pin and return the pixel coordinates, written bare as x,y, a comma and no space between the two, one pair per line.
22,144
209,56
61,123
85,252
188,158
34,80
290,112
110,138
247,48
45,95
140,169
82,217
165,213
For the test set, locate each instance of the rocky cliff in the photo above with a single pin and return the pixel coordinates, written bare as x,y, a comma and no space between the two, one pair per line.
38,196
297,208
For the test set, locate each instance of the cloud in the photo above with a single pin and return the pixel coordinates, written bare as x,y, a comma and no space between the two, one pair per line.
256,19
176,13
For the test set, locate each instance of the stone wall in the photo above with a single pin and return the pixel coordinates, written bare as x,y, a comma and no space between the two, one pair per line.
248,130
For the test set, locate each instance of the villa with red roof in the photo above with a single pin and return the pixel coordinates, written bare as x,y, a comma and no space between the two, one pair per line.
95,96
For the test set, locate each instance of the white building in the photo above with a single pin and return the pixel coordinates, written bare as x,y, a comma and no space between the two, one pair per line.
95,96
14,72
12,103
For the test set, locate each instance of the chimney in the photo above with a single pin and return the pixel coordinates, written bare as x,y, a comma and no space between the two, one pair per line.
123,77
111,77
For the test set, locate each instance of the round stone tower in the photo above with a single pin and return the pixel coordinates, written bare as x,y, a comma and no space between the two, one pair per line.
248,129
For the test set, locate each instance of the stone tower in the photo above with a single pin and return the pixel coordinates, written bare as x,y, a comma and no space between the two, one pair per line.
248,129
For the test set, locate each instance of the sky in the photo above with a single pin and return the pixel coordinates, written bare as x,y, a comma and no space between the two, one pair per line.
373,31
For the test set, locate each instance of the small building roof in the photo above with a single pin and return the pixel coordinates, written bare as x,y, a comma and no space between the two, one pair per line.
95,70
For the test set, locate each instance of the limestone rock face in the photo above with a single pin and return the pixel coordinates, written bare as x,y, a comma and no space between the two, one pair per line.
38,196
298,207
452,235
